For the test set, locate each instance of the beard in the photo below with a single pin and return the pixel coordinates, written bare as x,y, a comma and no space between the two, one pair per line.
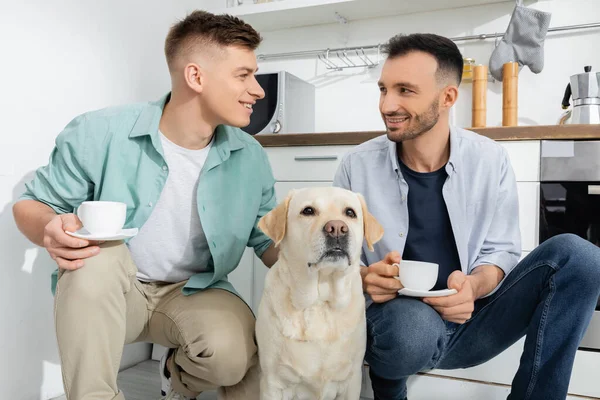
417,124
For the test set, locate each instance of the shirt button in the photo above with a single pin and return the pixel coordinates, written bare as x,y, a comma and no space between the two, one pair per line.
164,167
401,234
403,198
150,204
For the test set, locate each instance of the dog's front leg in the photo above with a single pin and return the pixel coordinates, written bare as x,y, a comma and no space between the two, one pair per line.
269,389
354,386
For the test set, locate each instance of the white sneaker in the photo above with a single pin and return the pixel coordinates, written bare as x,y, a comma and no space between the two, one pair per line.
165,383
175,396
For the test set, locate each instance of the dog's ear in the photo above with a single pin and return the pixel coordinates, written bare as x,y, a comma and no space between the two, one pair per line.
372,228
274,223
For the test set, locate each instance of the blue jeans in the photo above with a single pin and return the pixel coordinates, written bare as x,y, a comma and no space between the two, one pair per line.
550,297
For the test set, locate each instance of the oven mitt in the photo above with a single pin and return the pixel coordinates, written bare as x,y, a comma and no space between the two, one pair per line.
522,42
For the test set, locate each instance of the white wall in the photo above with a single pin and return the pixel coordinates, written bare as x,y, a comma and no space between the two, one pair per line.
60,59
348,100
65,57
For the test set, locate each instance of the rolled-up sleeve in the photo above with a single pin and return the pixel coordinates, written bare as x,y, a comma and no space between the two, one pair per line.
63,183
258,240
502,244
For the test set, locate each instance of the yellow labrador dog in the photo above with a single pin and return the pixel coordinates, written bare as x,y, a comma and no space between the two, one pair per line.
311,328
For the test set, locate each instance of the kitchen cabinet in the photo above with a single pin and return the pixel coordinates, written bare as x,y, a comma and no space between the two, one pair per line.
305,163
242,278
275,15
524,157
529,214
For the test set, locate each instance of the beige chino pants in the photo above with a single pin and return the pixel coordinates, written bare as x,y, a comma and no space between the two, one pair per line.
102,306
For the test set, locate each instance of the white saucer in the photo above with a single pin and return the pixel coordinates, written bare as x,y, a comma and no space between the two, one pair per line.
120,235
426,293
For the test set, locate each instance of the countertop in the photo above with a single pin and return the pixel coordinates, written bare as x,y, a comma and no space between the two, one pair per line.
539,132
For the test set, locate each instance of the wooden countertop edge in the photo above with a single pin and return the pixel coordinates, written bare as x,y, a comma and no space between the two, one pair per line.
539,132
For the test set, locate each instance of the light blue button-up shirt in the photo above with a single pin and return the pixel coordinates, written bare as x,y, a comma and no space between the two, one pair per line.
480,193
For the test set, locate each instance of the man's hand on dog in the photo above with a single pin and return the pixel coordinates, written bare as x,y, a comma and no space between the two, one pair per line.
378,278
458,307
68,251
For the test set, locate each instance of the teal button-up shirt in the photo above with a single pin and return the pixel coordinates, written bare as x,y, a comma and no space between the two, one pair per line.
115,154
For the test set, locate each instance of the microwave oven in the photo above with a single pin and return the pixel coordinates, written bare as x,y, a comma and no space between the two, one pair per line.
288,105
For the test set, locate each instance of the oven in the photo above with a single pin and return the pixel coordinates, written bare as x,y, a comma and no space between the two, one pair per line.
570,201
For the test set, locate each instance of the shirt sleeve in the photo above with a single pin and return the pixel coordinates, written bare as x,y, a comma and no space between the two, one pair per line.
63,183
502,244
258,240
342,175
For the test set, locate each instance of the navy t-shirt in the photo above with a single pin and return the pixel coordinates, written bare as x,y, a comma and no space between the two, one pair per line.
430,237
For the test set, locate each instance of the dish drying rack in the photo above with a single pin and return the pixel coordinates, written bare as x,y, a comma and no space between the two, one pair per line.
359,59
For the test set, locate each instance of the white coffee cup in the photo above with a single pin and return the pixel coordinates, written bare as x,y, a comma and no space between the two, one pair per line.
417,275
102,217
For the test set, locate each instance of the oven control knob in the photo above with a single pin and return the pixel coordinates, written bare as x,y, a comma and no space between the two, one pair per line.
276,127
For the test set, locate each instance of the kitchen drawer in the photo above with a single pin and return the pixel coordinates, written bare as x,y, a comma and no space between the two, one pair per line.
319,163
305,163
529,214
525,159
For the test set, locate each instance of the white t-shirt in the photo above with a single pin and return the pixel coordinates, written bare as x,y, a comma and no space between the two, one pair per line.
171,245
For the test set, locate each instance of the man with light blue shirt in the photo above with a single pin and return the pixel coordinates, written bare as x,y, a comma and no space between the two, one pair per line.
196,186
449,196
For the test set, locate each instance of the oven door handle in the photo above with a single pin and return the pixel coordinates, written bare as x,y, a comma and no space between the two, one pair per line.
594,189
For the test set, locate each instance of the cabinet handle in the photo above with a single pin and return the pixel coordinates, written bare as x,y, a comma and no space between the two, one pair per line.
315,158
593,189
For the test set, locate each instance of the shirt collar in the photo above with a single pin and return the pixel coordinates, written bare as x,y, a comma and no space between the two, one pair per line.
149,118
225,139
454,151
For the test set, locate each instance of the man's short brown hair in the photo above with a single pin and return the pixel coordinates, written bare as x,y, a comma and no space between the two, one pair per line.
444,50
205,29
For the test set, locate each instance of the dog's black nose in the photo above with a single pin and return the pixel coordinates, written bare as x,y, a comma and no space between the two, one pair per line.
336,228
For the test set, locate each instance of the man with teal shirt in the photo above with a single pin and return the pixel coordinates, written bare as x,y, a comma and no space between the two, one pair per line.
195,185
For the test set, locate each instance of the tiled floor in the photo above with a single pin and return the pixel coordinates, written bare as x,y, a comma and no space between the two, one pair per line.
142,383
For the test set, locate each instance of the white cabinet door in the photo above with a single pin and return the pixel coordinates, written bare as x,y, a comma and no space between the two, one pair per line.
260,270
529,214
524,157
243,276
